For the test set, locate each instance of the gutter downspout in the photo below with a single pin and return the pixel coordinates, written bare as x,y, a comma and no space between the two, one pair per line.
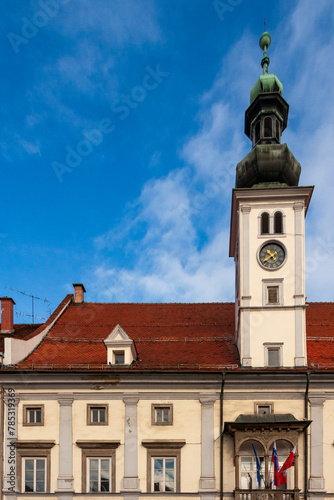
221,434
308,376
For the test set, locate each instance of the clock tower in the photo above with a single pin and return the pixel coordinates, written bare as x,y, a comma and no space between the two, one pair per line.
267,238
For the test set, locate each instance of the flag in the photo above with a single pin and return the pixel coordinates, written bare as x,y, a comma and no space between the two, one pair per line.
287,464
258,467
274,460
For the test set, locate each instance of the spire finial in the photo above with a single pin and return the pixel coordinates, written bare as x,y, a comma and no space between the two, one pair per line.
265,42
265,25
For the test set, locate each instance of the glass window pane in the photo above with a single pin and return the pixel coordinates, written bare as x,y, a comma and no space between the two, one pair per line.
29,486
105,485
102,415
29,476
40,486
273,357
38,416
166,414
95,415
29,465
93,486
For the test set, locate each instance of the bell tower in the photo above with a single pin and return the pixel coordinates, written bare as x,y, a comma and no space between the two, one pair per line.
267,238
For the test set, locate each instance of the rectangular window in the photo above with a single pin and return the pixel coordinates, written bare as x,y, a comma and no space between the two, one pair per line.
34,475
272,295
33,415
163,476
162,414
97,414
163,465
99,475
272,292
264,408
273,354
119,357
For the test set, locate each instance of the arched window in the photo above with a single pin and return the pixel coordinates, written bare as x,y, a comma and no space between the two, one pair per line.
265,223
268,127
277,131
257,132
278,223
249,478
283,449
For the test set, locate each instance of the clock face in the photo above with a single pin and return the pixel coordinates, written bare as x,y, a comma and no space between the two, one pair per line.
272,255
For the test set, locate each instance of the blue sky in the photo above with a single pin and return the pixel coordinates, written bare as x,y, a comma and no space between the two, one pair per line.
122,124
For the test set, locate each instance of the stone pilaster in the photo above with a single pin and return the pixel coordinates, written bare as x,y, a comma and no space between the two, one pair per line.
207,484
245,294
130,482
65,475
317,480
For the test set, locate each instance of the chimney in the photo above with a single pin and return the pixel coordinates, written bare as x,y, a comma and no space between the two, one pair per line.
79,291
7,314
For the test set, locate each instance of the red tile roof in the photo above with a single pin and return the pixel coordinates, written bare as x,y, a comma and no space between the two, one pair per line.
166,336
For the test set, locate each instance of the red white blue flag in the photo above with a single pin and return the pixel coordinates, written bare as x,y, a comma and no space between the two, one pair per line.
287,464
274,459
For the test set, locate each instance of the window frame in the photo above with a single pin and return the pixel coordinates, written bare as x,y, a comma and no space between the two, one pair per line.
156,406
268,346
164,458
272,282
118,352
98,406
26,409
163,449
24,481
258,404
111,473
97,449
33,450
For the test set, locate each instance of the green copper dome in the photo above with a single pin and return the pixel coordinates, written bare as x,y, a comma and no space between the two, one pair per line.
267,82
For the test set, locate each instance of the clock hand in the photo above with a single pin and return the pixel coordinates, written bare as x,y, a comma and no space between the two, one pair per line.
271,255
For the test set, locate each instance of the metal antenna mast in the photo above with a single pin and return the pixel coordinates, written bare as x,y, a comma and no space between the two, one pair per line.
32,300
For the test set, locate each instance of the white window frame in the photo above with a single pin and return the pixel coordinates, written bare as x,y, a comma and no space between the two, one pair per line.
34,459
163,482
273,346
263,404
99,459
271,282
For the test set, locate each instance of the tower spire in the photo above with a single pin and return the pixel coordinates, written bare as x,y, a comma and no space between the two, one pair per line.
270,163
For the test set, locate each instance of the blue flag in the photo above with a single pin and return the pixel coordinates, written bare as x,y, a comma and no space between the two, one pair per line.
258,467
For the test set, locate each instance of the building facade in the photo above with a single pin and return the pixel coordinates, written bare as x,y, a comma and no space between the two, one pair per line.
186,400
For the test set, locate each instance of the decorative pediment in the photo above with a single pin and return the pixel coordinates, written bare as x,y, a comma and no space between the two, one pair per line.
120,347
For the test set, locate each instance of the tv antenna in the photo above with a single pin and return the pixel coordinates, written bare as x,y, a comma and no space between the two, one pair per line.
32,301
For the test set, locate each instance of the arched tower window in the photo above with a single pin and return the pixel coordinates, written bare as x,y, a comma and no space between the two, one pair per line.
277,131
257,132
265,223
268,127
278,223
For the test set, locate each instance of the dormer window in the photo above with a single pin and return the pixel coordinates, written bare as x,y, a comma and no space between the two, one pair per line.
120,347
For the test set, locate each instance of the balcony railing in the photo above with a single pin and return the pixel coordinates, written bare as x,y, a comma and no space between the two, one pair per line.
266,494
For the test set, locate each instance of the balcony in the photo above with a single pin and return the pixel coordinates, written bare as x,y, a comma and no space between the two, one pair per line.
267,494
